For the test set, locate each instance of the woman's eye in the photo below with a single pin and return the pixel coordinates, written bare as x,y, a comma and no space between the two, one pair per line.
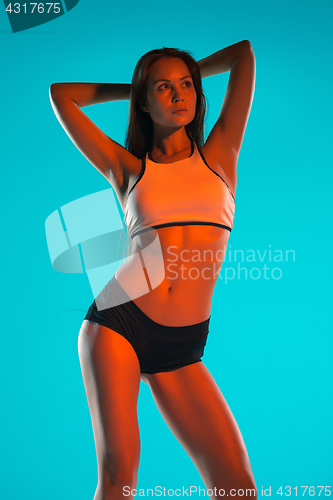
162,87
187,83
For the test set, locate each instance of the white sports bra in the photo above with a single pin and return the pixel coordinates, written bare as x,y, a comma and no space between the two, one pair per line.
178,194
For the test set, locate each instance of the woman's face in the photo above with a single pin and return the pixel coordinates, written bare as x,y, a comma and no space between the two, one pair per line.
171,96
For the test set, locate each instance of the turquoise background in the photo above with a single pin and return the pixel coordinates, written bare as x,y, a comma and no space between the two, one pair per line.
270,343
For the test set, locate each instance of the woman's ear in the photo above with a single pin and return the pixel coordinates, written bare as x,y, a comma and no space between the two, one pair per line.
144,107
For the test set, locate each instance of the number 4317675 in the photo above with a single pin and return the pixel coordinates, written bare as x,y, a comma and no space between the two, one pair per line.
305,490
31,8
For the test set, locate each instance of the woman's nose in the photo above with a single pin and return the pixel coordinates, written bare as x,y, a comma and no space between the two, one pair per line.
177,96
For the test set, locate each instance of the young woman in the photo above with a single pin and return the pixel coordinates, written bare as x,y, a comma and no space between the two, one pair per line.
151,320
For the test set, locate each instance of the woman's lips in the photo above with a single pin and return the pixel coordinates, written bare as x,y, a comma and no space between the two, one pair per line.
180,111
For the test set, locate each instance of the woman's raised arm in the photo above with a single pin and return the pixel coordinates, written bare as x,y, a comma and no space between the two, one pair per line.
109,157
225,140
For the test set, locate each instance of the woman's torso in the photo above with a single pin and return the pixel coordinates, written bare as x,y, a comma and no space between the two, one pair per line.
181,265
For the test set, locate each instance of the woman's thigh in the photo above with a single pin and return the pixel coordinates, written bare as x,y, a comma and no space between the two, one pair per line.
111,375
194,408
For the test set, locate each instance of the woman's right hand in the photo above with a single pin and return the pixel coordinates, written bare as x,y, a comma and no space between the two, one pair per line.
107,156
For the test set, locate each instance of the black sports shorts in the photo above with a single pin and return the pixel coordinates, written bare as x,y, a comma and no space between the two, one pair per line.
159,348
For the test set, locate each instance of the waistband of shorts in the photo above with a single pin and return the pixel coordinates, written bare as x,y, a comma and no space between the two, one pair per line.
196,330
197,326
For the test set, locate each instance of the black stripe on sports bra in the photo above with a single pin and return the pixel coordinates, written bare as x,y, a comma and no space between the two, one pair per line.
204,160
182,223
143,168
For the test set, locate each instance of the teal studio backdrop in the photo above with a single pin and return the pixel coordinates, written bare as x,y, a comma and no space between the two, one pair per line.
270,341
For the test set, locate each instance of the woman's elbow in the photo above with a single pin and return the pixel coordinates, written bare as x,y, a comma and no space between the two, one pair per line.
55,90
248,46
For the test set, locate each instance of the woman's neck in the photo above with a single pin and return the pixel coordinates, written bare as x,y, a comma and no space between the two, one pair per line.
169,143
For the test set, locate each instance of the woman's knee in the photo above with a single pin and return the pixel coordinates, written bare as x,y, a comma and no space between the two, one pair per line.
245,487
234,483
117,473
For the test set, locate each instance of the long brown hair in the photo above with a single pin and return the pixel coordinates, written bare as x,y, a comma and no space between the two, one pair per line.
139,134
